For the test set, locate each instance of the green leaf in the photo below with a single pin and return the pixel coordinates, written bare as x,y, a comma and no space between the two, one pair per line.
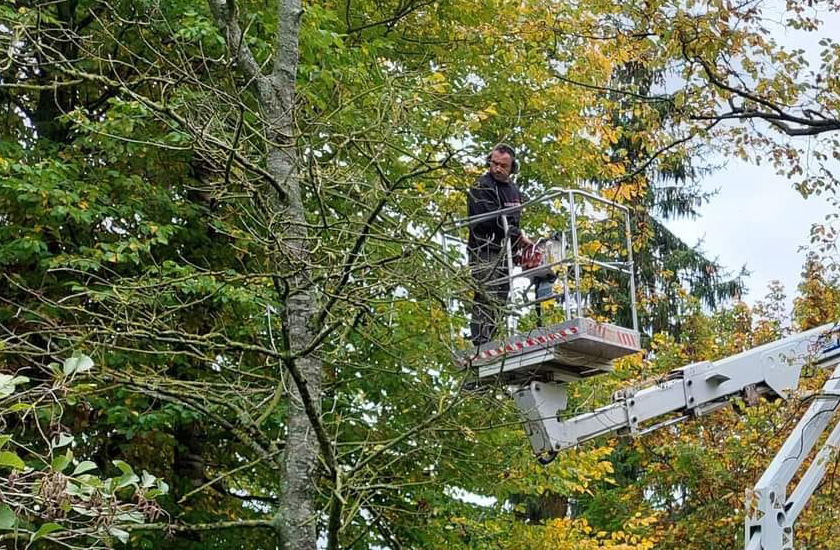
128,477
8,383
62,440
11,460
83,467
45,530
7,517
120,534
123,466
162,488
148,480
73,490
126,480
4,439
73,365
61,462
130,517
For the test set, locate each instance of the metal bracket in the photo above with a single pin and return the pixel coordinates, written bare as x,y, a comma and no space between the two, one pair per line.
767,520
629,404
540,403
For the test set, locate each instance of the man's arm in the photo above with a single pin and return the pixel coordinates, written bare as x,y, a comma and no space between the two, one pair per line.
518,239
481,200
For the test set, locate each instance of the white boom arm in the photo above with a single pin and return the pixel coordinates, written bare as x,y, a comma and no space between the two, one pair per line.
699,388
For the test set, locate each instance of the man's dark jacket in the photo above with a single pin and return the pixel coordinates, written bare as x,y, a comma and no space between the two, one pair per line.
489,195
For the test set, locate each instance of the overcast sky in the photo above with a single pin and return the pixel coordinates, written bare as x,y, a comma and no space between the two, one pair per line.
757,219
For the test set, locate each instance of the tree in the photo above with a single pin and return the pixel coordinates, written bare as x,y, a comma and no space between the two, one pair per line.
724,66
665,266
232,208
819,297
305,435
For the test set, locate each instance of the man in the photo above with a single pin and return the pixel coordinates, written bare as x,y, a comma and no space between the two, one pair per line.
486,247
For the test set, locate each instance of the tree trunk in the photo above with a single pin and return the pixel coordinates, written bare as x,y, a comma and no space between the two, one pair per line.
297,514
297,518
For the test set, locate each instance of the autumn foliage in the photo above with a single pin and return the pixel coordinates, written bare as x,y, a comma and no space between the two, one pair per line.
238,235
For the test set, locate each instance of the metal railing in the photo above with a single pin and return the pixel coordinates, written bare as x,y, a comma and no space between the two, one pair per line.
565,262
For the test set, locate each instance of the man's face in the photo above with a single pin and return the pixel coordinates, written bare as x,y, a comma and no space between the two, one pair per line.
500,165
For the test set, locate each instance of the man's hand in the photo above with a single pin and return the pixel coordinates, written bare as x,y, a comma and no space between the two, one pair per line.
530,257
524,242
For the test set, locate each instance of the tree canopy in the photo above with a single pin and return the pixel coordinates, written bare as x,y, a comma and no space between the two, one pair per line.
227,318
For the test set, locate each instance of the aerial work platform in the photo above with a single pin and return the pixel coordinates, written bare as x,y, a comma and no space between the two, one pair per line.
563,352
578,347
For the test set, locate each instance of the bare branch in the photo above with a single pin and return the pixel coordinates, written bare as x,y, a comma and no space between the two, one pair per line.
776,115
194,527
226,12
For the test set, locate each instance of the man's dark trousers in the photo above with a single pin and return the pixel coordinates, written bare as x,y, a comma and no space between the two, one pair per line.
489,301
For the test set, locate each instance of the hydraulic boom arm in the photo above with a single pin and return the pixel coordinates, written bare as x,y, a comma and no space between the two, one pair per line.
701,387
693,390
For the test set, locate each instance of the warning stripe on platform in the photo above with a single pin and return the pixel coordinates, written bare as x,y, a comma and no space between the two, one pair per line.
627,339
611,334
522,345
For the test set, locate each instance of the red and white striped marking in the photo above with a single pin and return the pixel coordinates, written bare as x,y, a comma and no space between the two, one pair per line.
611,334
627,340
522,345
